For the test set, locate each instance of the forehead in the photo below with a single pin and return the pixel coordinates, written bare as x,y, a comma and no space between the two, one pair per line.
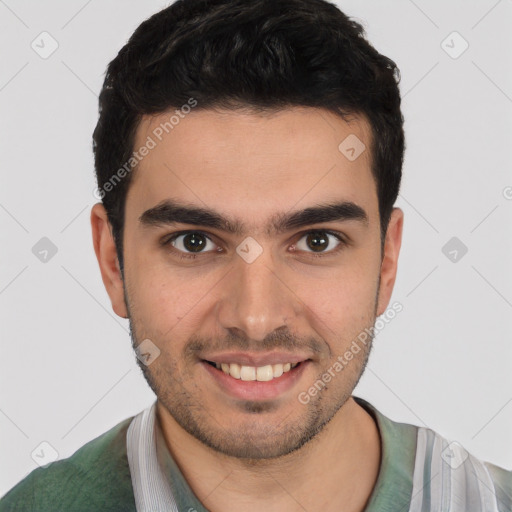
252,165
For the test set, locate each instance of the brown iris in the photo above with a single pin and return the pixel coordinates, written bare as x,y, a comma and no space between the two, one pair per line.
317,241
194,242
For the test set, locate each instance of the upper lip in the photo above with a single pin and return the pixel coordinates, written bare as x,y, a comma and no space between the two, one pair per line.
248,359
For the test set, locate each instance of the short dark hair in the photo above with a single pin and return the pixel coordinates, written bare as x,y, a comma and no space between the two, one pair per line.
259,54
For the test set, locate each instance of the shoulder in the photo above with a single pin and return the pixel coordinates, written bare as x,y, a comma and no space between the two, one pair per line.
446,474
502,480
434,473
95,477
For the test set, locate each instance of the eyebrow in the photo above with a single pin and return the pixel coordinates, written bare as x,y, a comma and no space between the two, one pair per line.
170,212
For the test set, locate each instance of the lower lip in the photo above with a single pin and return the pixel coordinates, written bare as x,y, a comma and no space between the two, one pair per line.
253,389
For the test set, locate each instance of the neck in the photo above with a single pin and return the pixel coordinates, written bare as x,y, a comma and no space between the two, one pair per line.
336,470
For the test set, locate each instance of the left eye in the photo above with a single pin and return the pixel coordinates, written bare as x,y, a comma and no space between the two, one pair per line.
318,241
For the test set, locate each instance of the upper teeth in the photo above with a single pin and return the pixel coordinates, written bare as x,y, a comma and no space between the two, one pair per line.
260,373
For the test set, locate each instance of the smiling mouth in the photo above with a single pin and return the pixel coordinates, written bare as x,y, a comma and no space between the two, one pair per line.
254,373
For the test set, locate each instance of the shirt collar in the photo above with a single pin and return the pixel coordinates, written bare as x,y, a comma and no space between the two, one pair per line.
393,489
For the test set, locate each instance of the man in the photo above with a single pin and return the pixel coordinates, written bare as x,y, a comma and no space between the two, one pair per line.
248,157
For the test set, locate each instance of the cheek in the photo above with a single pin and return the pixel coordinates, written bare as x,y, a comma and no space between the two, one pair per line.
344,291
164,300
340,307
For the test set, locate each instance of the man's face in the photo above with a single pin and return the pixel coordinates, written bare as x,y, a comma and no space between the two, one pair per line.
266,295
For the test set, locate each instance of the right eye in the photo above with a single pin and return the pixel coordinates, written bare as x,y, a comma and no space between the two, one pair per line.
191,243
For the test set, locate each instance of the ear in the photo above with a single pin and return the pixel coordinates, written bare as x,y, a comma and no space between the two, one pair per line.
105,250
390,259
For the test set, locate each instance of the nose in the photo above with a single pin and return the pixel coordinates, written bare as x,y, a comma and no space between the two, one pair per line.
257,298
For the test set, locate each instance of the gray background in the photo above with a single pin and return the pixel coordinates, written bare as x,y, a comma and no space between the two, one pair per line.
67,370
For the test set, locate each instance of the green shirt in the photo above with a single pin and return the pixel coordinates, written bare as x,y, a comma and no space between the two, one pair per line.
419,471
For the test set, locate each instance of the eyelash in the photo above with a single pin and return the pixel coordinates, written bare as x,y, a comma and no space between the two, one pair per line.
191,256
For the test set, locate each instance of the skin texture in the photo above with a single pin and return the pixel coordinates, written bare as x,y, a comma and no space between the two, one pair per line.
240,454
